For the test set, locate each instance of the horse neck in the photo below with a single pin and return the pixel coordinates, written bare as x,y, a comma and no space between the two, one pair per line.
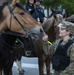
48,24
48,27
51,34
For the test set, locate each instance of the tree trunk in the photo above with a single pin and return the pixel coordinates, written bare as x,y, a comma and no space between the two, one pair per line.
47,12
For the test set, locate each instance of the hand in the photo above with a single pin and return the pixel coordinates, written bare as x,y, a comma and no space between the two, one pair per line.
14,2
45,38
44,19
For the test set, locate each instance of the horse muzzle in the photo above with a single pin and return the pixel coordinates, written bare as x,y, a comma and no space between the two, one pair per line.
38,32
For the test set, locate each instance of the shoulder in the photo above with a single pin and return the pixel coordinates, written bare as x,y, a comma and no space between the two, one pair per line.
53,47
72,38
41,8
71,48
72,45
26,5
55,43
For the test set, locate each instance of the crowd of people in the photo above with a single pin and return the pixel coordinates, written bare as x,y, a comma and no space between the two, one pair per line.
35,9
63,48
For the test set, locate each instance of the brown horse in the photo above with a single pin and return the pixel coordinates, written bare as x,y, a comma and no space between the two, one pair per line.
70,18
15,22
39,45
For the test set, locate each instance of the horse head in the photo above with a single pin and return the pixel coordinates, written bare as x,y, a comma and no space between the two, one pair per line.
15,18
50,26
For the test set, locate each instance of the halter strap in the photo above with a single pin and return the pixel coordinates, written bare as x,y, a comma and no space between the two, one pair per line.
11,11
27,34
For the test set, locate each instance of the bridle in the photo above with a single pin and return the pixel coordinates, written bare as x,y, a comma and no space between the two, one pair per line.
11,12
26,35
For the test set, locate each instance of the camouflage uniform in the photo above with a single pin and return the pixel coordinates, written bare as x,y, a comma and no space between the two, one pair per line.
70,69
70,52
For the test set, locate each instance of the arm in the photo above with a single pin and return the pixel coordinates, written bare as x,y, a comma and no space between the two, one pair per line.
50,49
44,17
14,2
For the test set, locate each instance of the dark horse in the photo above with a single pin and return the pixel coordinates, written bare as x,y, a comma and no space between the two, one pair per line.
14,22
39,45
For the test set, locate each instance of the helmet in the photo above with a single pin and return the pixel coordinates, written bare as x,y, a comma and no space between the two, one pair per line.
59,10
68,26
38,0
28,1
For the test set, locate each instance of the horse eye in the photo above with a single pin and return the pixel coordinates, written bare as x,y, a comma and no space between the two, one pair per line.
21,13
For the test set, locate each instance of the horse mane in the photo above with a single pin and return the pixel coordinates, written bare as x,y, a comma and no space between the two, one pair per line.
1,9
6,3
21,7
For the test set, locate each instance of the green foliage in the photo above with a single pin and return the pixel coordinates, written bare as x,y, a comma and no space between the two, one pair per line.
21,1
8,0
67,4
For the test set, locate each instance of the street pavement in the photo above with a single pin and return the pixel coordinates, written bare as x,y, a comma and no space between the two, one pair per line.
30,65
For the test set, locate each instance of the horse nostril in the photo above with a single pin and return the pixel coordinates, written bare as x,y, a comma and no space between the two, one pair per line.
41,30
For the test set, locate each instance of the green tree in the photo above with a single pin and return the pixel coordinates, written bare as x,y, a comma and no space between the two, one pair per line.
21,1
67,4
53,4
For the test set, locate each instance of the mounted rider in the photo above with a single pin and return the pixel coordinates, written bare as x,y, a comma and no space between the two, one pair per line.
59,10
31,8
35,9
40,11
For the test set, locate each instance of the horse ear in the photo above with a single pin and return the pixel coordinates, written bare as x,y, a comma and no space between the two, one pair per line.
55,16
14,2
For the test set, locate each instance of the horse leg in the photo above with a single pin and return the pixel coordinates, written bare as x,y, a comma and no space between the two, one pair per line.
8,69
0,72
41,65
5,73
11,72
47,63
44,69
20,70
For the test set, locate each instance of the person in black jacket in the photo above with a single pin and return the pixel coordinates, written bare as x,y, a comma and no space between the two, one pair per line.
30,7
36,11
40,11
